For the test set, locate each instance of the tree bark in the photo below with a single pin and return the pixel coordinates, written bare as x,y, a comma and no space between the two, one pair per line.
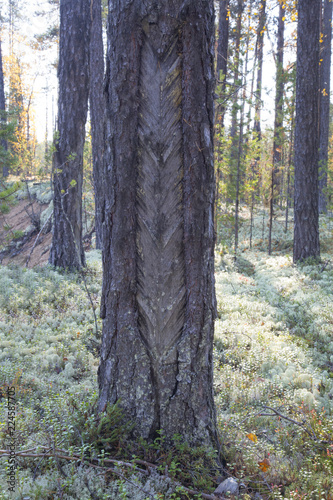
278,120
260,57
221,70
73,73
158,300
222,54
306,223
97,113
238,35
3,120
325,87
278,123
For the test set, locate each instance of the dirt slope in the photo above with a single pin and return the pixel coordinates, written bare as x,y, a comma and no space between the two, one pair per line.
18,235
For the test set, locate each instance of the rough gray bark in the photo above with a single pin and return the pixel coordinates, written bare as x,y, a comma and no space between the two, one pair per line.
158,300
4,145
260,57
221,70
306,224
325,88
73,74
278,119
222,53
97,113
238,34
278,123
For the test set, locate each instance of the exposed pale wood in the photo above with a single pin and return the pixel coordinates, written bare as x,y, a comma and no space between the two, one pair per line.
158,301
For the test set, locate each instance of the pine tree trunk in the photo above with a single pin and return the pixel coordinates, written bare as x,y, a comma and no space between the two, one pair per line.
4,145
278,120
222,54
325,77
97,113
73,73
158,300
238,34
306,223
221,70
278,124
260,57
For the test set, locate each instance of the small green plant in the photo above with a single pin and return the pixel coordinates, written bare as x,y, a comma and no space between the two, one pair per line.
4,208
17,234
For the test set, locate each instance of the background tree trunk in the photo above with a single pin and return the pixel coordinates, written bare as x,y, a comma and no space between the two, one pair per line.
4,145
158,300
97,113
325,88
278,123
237,81
260,57
221,70
306,224
222,54
73,73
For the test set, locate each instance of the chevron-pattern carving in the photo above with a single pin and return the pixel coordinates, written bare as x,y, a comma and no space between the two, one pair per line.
161,288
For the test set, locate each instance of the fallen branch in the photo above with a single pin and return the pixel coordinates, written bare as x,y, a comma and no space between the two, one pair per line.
37,238
60,454
276,413
324,266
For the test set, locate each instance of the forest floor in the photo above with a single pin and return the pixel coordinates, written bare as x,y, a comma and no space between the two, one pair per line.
25,227
273,366
18,235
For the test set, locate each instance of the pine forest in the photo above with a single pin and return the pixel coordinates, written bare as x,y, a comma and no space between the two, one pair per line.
166,250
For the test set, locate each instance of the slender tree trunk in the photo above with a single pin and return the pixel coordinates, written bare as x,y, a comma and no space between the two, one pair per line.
235,105
240,139
260,57
97,113
325,87
222,54
278,123
306,226
73,73
238,176
238,34
158,300
288,196
221,70
3,120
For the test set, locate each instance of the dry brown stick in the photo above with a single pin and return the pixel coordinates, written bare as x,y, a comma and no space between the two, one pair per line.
37,466
74,458
278,414
187,490
324,266
118,463
37,238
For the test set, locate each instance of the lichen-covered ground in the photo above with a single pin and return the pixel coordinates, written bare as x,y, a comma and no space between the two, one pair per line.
273,376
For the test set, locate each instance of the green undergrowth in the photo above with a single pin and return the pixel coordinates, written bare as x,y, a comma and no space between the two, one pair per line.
273,364
49,353
274,369
8,196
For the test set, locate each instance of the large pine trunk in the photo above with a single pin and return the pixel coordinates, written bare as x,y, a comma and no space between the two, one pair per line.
73,74
325,87
158,300
306,223
97,113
